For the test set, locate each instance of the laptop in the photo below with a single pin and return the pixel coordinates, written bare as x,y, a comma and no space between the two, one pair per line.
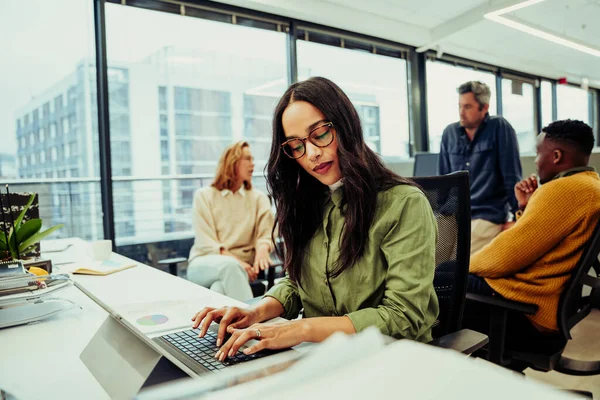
198,354
178,341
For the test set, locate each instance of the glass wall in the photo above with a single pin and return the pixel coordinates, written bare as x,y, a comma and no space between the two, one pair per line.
179,95
48,124
546,105
443,80
518,108
181,89
573,103
376,85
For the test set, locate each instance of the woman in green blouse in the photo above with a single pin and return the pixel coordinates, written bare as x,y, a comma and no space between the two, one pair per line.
359,239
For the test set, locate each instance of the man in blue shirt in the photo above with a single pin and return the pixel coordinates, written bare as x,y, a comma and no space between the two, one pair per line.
487,147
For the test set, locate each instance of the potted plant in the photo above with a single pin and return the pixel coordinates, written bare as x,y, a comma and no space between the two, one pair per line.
22,239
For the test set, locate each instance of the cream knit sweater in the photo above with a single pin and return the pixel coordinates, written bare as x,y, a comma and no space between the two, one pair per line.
238,222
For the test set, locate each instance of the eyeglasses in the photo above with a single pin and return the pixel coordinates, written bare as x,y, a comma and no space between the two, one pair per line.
321,136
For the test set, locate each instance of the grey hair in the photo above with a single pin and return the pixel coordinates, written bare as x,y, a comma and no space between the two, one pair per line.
480,90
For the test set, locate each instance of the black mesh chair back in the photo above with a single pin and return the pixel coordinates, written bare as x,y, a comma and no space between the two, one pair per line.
573,306
544,352
425,164
449,196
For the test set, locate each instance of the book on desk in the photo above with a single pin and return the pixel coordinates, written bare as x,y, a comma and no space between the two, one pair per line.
105,267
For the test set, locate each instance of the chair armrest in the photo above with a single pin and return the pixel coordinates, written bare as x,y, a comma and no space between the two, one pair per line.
465,341
175,260
503,303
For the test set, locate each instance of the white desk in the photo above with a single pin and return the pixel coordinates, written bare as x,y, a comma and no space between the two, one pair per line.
42,360
49,352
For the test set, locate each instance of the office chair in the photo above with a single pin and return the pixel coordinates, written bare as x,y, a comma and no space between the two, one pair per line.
450,199
425,164
164,258
544,352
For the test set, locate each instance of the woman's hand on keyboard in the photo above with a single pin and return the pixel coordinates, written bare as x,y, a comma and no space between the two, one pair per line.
269,336
228,318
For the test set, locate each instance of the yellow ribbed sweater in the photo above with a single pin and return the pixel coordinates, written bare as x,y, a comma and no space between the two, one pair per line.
532,261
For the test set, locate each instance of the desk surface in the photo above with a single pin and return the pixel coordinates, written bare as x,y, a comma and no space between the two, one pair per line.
50,349
42,360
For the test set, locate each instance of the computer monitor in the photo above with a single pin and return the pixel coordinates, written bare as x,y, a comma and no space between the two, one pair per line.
425,164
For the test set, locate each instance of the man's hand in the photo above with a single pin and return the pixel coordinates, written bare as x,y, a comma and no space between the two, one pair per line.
524,190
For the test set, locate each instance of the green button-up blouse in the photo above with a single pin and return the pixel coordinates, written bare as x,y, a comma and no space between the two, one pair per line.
390,287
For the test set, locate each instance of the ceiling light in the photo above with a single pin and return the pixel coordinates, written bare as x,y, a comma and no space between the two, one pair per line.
543,35
496,16
514,7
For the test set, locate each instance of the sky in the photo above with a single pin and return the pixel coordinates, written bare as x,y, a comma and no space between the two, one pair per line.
37,55
53,36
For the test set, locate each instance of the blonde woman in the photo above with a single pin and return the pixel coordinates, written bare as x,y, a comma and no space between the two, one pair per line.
233,225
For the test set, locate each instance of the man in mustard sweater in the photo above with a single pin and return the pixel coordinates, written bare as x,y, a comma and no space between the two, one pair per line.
532,261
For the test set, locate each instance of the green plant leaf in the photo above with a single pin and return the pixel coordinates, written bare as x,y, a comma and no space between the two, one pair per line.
37,237
28,229
12,244
13,237
27,250
22,215
3,246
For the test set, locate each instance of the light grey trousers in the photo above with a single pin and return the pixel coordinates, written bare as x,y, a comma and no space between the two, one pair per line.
222,274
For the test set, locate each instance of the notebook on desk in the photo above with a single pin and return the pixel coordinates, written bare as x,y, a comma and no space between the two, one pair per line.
105,267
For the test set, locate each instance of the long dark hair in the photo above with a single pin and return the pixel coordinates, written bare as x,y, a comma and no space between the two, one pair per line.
299,197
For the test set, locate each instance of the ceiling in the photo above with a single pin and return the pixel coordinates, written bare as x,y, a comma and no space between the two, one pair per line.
458,27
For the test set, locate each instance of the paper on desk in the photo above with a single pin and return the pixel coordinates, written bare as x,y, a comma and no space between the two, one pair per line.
161,316
334,353
404,369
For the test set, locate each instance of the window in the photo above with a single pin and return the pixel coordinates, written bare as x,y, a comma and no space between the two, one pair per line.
164,126
65,126
546,106
52,131
42,135
518,109
164,150
573,103
162,98
376,85
443,80
197,87
73,149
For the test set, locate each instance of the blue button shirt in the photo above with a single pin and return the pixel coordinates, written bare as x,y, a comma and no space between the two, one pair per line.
492,159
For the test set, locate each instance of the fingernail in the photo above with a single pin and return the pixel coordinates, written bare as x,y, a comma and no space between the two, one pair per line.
218,342
230,353
218,354
246,351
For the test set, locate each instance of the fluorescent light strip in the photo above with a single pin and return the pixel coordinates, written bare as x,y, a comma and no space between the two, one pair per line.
514,8
543,35
496,16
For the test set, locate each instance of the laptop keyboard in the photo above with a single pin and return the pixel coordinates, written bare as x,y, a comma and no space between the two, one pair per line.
202,350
